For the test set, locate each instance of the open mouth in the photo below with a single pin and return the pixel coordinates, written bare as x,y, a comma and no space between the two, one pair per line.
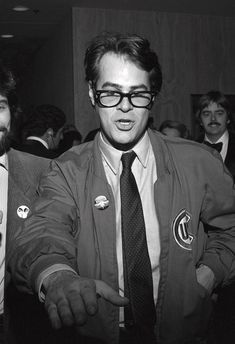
124,124
214,124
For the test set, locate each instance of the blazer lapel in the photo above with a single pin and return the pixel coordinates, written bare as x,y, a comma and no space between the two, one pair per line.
20,189
230,156
104,218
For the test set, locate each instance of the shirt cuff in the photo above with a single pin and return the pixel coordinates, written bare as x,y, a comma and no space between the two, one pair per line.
46,273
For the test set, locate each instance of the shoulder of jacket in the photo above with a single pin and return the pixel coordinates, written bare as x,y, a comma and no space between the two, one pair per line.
34,164
187,149
178,143
78,155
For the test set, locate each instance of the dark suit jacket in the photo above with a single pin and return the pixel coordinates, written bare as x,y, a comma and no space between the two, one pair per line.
230,156
36,148
25,171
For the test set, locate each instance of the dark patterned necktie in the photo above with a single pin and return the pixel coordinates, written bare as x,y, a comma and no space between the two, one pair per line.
218,146
138,284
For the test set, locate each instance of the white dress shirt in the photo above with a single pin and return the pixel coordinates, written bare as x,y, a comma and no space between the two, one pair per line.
224,139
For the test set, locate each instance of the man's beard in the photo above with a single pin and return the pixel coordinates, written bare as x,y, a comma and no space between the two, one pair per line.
5,140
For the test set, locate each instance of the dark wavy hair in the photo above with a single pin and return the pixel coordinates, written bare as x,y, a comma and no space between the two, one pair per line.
134,47
42,117
8,90
8,87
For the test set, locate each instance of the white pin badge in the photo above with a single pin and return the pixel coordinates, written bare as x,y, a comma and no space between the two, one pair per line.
23,211
101,202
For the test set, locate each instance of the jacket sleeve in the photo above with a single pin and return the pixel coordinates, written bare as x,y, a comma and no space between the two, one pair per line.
218,215
48,235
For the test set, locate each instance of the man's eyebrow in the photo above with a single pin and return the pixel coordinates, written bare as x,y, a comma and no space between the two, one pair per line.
119,87
4,101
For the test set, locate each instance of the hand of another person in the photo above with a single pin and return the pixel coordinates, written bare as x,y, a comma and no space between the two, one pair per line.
206,277
70,299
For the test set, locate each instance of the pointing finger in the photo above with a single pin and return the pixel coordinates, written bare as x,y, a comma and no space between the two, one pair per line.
109,294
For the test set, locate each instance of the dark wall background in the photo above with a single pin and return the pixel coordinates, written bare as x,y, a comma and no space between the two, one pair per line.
197,54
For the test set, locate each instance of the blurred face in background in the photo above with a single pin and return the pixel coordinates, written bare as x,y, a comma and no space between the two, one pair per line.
171,132
214,120
5,121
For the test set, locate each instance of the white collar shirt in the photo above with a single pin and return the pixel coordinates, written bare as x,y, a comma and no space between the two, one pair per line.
35,138
224,139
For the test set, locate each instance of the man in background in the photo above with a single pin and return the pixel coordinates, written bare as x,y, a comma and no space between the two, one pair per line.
116,244
214,116
42,131
19,177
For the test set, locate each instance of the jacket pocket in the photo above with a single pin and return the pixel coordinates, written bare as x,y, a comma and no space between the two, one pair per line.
197,308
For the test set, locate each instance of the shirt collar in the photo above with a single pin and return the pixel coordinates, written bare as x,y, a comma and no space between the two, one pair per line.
112,156
35,138
4,161
223,138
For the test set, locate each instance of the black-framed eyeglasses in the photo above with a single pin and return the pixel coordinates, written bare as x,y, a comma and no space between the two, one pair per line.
108,99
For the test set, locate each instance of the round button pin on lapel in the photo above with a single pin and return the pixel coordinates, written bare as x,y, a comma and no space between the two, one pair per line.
23,211
101,202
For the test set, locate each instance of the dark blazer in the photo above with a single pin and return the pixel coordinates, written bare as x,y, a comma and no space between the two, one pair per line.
230,156
25,171
36,148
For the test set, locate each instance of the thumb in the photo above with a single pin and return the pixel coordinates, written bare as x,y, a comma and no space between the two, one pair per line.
109,294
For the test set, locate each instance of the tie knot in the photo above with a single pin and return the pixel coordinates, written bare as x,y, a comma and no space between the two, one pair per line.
127,159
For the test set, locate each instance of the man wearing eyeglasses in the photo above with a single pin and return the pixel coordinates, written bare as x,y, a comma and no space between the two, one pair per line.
116,246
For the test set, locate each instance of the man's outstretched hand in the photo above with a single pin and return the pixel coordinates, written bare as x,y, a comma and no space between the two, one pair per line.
70,299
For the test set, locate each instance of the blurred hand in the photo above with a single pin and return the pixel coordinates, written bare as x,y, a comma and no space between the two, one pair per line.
206,277
70,299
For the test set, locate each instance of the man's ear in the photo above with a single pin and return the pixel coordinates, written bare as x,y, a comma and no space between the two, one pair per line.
50,131
91,93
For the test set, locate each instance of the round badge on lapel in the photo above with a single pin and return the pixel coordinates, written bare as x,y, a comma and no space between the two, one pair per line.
23,211
101,202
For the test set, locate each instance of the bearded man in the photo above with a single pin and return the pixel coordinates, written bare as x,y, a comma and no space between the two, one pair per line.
19,177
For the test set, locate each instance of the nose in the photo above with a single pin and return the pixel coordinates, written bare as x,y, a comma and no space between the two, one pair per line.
213,116
125,105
